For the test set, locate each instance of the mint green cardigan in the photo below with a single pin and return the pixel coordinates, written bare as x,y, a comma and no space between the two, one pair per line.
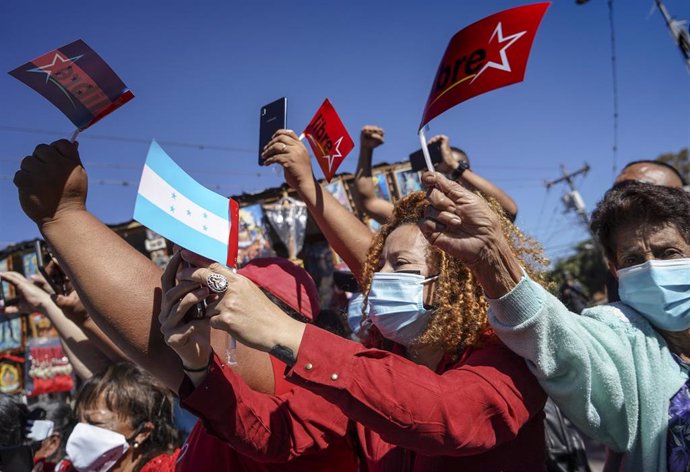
608,370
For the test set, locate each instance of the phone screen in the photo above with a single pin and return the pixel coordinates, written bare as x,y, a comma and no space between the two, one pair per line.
273,117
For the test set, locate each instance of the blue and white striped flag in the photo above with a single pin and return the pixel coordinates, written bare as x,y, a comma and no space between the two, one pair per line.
176,206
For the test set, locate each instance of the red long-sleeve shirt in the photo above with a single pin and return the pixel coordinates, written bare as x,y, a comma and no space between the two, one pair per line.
205,452
483,412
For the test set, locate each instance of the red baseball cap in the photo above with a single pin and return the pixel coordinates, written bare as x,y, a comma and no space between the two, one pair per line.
287,281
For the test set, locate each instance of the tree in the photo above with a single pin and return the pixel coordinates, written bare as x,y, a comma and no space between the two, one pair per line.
585,265
679,160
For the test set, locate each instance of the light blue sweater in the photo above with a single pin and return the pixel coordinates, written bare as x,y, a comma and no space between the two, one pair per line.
608,370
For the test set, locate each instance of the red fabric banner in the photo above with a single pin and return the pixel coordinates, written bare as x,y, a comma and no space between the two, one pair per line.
329,139
484,56
77,81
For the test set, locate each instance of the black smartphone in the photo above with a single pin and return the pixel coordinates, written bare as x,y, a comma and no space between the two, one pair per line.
417,157
273,117
56,278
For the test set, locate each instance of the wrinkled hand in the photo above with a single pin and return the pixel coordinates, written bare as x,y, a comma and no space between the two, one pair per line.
286,149
449,163
371,137
30,296
242,310
190,340
51,181
458,221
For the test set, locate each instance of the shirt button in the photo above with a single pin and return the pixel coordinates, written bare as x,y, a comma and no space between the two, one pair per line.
334,376
308,366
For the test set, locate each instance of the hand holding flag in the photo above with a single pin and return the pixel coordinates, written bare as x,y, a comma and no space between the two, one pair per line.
179,208
77,81
329,139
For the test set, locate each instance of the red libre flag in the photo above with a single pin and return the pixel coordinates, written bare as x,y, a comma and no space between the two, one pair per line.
487,55
77,81
329,139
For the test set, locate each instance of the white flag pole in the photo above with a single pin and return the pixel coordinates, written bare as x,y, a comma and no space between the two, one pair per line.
425,150
301,137
74,135
231,351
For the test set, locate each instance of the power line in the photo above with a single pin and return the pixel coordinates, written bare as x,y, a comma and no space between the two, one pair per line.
131,183
614,75
103,137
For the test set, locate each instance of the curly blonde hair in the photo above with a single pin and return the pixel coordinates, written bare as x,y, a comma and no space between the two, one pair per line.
460,309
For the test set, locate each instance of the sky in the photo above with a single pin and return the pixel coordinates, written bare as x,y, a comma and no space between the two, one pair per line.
200,72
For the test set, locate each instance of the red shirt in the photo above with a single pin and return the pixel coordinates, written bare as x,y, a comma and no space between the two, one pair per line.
216,402
484,412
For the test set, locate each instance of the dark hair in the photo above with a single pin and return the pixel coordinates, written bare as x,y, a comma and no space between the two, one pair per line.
134,395
632,202
14,424
456,149
660,164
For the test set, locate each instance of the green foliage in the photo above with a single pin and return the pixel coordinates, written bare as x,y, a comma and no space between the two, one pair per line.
586,265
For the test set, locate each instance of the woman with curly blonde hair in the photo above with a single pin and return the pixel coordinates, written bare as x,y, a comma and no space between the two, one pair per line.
439,393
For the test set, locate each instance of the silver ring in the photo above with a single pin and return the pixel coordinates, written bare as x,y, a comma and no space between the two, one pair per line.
217,283
283,148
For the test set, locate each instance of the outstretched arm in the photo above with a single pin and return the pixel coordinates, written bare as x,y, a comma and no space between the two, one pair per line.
472,180
349,237
82,352
119,287
377,208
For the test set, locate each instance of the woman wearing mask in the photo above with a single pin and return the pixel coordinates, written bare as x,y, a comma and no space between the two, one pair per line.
125,423
443,395
619,371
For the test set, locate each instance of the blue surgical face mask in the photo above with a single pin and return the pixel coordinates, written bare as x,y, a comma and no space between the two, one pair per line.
396,306
659,290
354,312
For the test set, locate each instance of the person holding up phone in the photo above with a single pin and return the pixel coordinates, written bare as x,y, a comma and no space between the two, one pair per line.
453,162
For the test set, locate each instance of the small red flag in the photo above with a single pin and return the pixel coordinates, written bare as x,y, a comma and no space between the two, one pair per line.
484,56
77,81
329,139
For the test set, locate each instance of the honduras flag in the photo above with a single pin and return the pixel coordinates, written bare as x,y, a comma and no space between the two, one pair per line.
176,206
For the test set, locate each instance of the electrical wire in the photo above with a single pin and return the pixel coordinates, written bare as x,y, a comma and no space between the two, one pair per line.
614,75
103,137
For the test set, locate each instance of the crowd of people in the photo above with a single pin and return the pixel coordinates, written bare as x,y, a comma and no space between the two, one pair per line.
457,342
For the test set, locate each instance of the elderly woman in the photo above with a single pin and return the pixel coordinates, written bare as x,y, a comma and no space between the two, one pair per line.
443,395
620,372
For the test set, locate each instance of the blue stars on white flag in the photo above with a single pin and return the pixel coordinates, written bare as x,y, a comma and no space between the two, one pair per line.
176,206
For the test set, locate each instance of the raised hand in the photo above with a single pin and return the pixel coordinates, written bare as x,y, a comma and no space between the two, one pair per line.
31,296
462,224
371,137
286,149
51,181
449,163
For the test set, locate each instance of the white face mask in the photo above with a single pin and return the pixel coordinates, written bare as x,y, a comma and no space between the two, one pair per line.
94,449
40,429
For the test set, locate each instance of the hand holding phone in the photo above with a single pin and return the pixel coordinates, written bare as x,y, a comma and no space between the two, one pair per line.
273,117
50,270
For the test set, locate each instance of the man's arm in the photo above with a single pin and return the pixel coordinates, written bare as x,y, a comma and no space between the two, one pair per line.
119,287
472,180
377,208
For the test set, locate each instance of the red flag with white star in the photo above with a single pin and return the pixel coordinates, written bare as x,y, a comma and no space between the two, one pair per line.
484,56
77,81
329,139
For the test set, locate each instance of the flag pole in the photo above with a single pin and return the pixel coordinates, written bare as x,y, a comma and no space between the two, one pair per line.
231,351
74,135
301,137
425,150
